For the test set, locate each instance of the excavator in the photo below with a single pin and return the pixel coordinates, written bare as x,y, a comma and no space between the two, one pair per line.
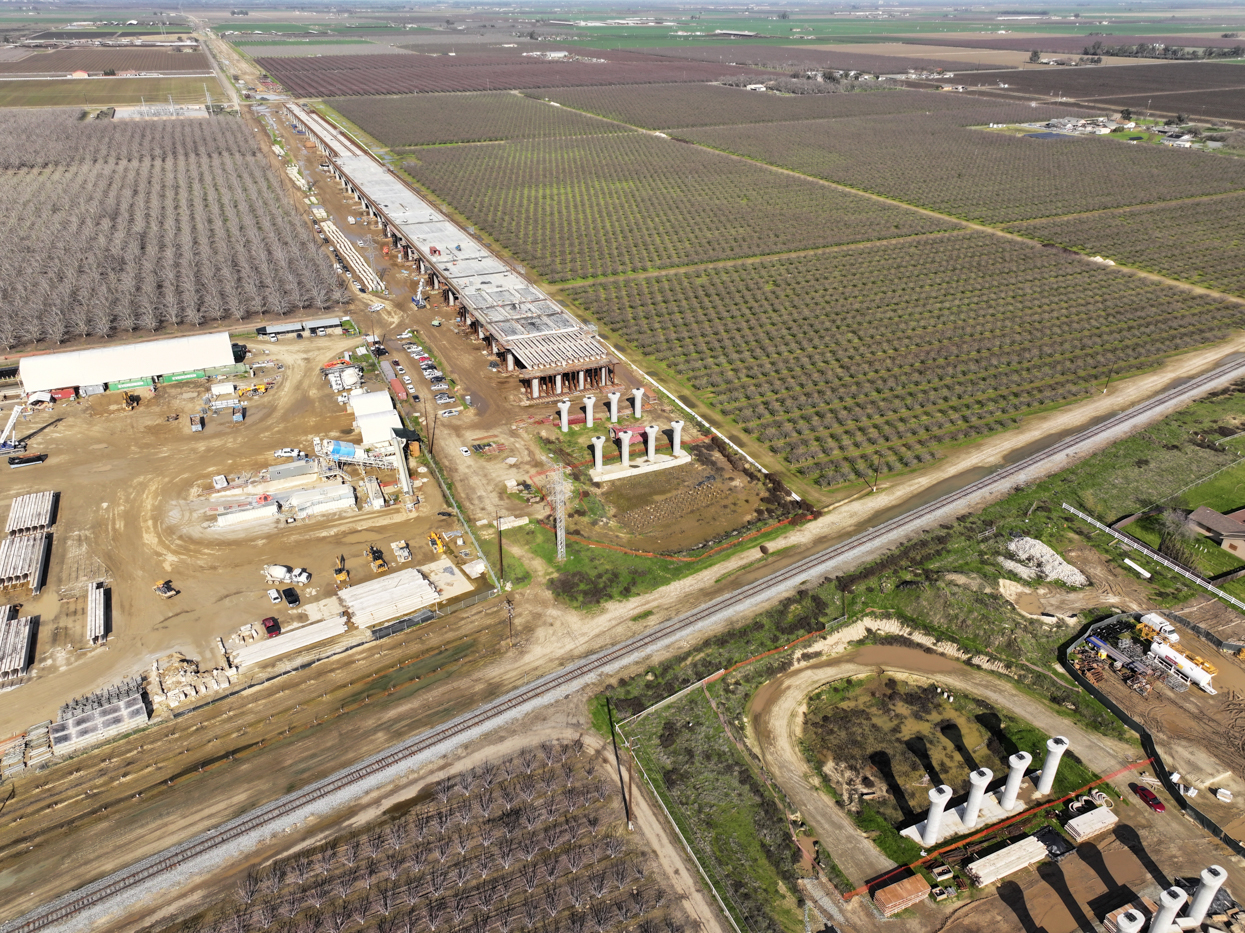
376,557
436,542
131,401
340,573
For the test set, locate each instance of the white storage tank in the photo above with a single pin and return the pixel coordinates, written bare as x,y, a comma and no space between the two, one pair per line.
1186,667
351,378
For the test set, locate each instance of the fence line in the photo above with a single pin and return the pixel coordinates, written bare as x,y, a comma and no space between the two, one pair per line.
670,699
445,489
1154,555
695,861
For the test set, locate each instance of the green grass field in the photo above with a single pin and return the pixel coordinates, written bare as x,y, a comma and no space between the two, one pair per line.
103,92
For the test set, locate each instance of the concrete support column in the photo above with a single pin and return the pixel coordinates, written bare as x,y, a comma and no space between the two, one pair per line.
1212,880
938,798
637,400
977,783
1054,751
1018,763
613,397
588,403
1131,921
624,439
557,384
652,442
581,380
598,455
677,427
1170,902
536,387
509,361
604,375
564,409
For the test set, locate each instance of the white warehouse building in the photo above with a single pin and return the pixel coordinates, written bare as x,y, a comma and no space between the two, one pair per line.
126,365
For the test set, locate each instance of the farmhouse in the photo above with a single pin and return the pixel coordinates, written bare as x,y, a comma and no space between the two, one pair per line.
1225,530
127,366
553,351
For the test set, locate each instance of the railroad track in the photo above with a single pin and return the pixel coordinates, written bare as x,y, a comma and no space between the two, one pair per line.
560,682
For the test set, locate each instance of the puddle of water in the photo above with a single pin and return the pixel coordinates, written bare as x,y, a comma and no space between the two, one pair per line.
1049,440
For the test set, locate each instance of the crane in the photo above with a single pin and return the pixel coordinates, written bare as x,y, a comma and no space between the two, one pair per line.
5,442
419,296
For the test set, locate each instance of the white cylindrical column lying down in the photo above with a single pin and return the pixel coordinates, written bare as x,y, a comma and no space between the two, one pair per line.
624,440
598,456
564,411
651,439
977,783
1131,921
1018,764
938,797
1054,751
613,397
675,445
588,402
1212,880
637,400
1170,902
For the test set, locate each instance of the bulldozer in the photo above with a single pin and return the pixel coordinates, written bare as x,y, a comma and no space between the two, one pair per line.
436,542
340,573
165,589
131,401
377,558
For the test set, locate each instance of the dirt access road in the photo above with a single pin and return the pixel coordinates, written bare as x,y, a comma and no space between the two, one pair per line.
775,725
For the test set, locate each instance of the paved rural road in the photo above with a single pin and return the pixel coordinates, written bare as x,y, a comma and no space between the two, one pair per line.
177,867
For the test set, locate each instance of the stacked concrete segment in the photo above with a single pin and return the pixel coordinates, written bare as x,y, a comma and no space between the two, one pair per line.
96,597
22,559
31,513
15,637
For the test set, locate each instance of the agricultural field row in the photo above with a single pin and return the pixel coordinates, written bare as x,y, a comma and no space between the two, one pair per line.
101,92
1197,241
788,58
65,61
1121,80
313,48
349,75
607,205
186,224
886,351
1070,45
1196,106
979,175
433,119
530,843
665,107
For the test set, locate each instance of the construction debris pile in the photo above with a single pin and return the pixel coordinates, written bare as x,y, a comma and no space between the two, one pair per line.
1037,561
175,679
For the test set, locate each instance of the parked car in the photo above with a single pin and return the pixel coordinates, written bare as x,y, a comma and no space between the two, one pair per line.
465,451
274,597
407,380
1151,800
450,413
400,369
271,627
290,595
439,386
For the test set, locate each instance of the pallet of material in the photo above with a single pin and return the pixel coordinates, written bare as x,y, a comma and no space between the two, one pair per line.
392,597
14,647
31,513
96,598
22,559
98,724
295,639
895,897
1007,861
1088,825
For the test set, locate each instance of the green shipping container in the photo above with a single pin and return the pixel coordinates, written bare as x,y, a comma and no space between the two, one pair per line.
138,383
184,377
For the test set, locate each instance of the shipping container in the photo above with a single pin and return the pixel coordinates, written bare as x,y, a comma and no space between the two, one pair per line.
138,383
100,389
184,377
398,389
62,394
223,388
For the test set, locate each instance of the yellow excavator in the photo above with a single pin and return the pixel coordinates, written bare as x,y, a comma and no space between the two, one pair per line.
340,573
377,558
436,542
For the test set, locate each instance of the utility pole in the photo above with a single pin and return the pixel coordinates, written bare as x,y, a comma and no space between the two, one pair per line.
1109,375
510,619
876,472
622,787
501,556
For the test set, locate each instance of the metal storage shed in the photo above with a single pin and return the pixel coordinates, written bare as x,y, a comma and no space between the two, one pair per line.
124,361
377,427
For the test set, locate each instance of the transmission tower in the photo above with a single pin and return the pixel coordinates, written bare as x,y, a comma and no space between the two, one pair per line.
557,497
